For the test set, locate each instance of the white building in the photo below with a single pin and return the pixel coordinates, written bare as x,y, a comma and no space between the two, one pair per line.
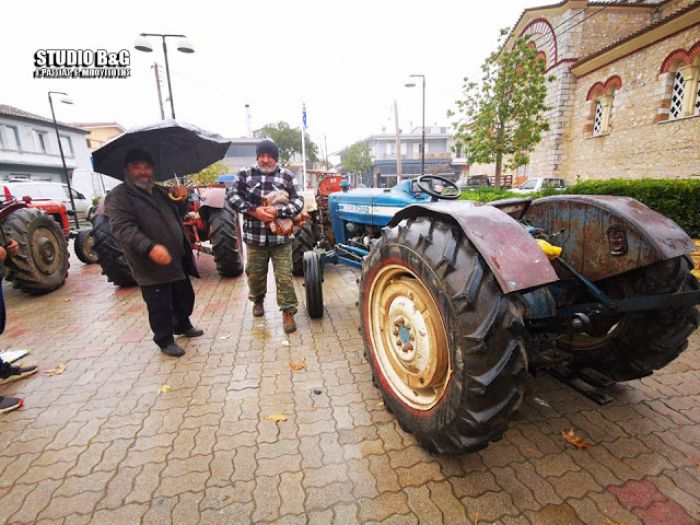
29,149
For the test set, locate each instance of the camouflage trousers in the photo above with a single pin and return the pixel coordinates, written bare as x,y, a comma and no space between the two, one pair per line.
256,270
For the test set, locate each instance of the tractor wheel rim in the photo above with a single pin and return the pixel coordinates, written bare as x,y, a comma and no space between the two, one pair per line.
409,337
45,251
89,247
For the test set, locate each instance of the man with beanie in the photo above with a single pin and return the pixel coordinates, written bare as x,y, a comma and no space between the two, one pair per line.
246,196
147,224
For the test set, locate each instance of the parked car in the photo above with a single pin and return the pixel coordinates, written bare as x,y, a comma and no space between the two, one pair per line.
473,181
55,191
536,184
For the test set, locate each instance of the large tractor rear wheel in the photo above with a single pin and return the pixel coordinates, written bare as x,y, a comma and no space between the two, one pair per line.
224,241
444,343
41,265
109,255
84,247
304,239
636,344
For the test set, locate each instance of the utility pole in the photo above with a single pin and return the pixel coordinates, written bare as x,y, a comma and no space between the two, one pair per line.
398,142
325,147
249,120
155,67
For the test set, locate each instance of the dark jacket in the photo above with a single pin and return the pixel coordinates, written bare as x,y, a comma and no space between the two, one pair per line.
139,221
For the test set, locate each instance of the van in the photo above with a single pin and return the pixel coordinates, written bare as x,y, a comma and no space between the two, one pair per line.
55,191
92,184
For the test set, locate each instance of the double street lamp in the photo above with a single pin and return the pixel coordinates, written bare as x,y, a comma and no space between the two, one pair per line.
184,46
422,152
65,99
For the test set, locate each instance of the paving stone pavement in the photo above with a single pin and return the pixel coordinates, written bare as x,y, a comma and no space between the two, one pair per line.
101,444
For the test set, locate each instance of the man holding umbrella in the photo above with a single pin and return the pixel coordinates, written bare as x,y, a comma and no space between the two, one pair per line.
146,221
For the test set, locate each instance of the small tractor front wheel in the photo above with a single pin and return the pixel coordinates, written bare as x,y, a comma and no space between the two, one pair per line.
84,246
639,343
109,254
304,239
41,265
444,343
313,284
224,241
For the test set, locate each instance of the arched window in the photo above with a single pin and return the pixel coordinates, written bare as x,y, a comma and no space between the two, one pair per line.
677,95
681,73
601,97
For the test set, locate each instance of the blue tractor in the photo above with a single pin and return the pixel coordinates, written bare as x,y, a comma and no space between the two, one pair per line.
460,300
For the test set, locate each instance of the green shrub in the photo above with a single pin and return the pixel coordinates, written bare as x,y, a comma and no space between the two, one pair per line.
487,194
678,199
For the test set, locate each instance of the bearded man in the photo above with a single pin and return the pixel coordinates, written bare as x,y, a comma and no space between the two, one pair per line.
147,224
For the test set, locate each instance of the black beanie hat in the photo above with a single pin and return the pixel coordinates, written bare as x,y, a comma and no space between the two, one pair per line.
137,155
269,147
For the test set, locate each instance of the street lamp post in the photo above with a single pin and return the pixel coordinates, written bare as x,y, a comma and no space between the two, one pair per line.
65,100
183,46
422,153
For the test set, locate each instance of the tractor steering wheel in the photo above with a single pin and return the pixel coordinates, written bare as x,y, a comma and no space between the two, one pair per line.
446,190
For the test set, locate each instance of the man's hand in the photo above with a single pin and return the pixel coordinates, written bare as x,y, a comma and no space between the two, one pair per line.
3,254
263,214
178,193
160,255
271,211
12,247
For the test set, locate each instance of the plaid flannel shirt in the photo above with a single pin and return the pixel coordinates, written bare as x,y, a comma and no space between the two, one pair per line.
247,194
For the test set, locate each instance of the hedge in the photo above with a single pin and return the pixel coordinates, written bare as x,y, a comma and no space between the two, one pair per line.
678,199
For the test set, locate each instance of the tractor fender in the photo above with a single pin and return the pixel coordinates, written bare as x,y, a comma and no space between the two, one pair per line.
508,249
213,197
604,235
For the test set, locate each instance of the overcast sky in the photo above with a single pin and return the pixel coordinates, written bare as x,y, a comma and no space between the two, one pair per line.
347,61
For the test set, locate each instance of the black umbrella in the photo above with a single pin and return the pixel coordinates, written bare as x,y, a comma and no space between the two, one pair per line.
177,148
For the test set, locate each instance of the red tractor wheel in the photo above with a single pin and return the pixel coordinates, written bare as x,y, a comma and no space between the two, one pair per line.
41,265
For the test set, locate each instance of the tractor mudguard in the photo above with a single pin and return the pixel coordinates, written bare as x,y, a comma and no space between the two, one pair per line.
213,197
508,249
602,236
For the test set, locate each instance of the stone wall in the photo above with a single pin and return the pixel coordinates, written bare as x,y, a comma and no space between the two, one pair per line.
637,144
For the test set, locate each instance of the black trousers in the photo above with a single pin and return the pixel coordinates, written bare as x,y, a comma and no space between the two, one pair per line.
169,308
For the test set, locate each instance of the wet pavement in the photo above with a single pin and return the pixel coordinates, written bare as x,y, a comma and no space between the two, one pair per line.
107,442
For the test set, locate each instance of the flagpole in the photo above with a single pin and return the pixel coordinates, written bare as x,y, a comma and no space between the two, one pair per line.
303,146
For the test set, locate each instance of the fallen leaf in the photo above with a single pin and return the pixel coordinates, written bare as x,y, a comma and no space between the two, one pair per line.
276,418
297,366
62,367
542,402
164,389
577,441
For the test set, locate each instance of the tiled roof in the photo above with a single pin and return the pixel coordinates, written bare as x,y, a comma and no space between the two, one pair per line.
643,30
97,125
11,111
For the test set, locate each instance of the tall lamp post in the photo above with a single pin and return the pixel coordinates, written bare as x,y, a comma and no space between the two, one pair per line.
65,100
422,152
184,46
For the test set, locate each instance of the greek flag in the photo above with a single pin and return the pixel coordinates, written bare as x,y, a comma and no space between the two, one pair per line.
303,114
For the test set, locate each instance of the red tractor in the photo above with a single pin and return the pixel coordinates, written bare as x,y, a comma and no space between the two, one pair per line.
41,229
209,218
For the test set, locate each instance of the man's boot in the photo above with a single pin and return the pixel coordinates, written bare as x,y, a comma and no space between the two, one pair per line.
258,309
288,323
